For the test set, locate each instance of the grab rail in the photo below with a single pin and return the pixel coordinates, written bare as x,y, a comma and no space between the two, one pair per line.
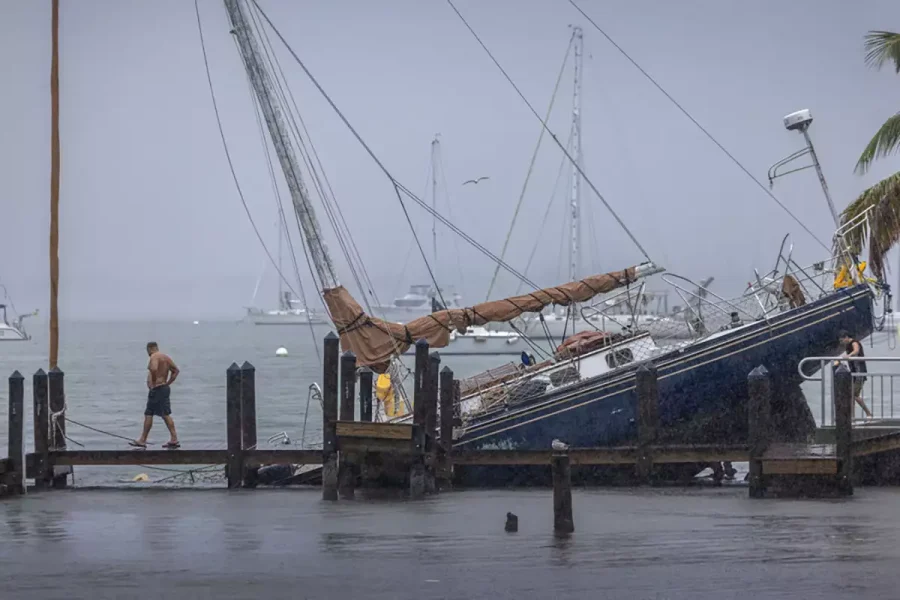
881,410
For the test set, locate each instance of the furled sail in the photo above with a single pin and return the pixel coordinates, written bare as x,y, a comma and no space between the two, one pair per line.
375,340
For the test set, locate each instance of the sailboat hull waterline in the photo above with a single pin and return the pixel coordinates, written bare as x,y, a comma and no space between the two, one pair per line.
703,392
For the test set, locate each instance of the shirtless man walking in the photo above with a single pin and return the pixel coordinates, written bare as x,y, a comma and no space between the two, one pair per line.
161,374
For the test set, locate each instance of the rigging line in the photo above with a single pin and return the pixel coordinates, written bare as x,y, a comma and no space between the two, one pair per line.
315,154
699,126
528,173
450,214
552,135
237,184
304,153
358,137
478,246
282,220
562,164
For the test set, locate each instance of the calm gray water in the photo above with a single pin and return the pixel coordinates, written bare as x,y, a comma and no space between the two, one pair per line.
629,544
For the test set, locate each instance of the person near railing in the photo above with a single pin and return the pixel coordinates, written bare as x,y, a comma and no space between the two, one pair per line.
853,348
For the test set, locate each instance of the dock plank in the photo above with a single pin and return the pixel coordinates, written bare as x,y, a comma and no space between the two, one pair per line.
618,455
874,445
180,457
382,431
800,466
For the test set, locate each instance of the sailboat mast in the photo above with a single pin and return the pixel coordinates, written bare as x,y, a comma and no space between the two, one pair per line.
280,270
54,186
575,203
272,112
435,149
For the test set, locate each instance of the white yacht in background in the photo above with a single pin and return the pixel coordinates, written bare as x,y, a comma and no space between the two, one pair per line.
15,331
289,312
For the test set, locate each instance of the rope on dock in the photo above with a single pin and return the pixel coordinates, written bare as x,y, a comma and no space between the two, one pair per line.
115,435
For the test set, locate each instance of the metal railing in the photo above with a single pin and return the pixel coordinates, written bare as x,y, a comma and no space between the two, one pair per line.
877,389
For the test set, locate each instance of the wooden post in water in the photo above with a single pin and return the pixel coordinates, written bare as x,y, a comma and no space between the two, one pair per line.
647,420
331,359
248,419
42,474
365,394
843,432
431,408
57,441
562,493
444,472
417,468
234,468
758,413
346,472
15,480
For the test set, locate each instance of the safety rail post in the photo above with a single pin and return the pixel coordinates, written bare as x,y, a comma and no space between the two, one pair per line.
562,493
346,471
417,468
445,449
647,419
758,412
331,359
248,420
15,477
234,467
843,421
57,438
42,468
365,394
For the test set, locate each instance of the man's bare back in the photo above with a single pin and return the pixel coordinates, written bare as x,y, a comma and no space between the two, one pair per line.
161,370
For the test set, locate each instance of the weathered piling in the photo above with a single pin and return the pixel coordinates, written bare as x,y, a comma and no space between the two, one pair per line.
562,493
843,433
431,432
42,469
365,394
445,447
647,420
346,472
331,359
758,414
248,419
15,477
234,466
57,436
417,468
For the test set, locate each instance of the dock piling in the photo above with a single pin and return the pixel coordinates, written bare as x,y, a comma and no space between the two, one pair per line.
42,469
843,433
445,449
758,413
57,436
365,395
562,494
248,419
330,416
15,479
417,468
647,420
346,472
234,467
431,432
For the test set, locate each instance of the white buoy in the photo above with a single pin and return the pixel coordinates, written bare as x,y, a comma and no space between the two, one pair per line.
141,477
281,351
196,322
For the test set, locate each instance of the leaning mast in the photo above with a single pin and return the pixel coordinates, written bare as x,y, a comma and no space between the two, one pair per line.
575,199
54,186
272,112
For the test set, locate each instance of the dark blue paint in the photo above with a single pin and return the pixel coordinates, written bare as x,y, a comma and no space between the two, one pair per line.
713,391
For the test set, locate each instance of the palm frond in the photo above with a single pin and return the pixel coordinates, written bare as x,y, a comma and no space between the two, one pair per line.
882,229
882,47
885,141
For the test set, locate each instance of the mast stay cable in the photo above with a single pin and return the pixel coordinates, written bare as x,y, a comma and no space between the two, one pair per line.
575,164
699,126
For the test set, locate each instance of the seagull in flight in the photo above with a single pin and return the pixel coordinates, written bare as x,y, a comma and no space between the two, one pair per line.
475,180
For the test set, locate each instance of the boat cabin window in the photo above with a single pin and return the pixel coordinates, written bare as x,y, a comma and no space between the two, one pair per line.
619,357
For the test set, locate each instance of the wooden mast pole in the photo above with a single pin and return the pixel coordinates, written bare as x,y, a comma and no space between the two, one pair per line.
54,187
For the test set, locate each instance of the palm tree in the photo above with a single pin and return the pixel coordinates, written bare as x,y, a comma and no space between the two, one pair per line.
883,197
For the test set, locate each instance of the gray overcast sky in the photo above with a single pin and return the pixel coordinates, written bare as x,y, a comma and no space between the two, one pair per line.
151,224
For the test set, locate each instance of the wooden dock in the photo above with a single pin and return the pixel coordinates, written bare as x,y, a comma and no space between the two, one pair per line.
420,455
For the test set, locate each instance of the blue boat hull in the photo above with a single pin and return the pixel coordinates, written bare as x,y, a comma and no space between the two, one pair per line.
702,388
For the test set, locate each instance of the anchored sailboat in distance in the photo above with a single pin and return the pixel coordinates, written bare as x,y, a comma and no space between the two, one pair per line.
584,394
